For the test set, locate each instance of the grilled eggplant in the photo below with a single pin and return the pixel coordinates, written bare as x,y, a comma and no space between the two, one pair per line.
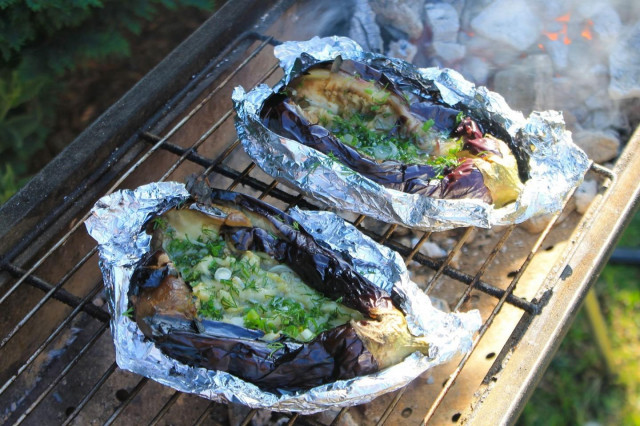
236,285
371,123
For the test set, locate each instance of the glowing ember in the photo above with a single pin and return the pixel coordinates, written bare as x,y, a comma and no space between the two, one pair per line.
586,32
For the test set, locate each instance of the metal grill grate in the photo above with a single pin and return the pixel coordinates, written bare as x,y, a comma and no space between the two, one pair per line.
193,143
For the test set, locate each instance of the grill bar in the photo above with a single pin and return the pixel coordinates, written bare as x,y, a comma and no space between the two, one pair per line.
204,415
58,294
165,408
446,262
231,173
462,277
50,293
64,372
485,326
136,390
51,337
496,249
91,393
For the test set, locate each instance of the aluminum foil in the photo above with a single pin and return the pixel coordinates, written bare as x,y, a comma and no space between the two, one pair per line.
556,165
116,222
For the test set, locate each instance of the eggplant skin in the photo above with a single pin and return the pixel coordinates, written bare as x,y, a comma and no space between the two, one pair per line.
171,322
336,354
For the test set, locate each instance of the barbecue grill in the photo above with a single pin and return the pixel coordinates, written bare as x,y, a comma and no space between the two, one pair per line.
57,355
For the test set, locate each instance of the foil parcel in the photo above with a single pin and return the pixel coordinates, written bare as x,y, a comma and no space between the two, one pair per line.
117,223
554,165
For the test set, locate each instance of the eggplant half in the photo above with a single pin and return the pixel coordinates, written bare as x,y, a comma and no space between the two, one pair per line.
377,127
236,285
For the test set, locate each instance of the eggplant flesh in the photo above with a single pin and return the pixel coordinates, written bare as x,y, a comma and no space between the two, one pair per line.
358,116
371,335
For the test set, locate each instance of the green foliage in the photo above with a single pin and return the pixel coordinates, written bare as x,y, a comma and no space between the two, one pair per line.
40,40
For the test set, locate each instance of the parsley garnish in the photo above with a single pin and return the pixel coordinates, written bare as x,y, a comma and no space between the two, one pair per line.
274,346
159,223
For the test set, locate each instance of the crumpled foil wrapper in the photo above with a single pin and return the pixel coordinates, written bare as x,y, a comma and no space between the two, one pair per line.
556,164
116,222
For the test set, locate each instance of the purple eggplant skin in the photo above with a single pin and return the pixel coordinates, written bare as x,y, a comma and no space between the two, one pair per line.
336,354
174,327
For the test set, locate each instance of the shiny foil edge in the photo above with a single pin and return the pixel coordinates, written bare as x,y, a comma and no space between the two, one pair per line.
116,223
557,165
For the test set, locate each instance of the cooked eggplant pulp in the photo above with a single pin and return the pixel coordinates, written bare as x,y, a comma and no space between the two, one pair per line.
236,285
358,116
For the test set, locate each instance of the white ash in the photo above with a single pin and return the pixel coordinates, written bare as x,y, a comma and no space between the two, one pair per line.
402,49
475,69
443,21
606,20
524,86
430,249
537,224
585,194
364,29
599,146
624,66
510,22
449,52
405,15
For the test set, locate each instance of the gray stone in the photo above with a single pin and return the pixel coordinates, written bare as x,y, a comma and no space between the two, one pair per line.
624,66
585,194
402,49
443,21
364,29
449,52
600,146
527,85
511,22
405,15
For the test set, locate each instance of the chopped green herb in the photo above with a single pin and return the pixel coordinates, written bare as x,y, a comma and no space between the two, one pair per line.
209,310
228,302
128,313
428,125
159,223
459,117
275,347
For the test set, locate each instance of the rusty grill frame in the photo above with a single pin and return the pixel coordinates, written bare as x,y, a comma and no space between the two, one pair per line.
136,150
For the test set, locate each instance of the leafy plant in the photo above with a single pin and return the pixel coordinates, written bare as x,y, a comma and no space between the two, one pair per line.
40,41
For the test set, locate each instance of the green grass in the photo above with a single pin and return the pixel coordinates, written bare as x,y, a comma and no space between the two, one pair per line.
576,388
